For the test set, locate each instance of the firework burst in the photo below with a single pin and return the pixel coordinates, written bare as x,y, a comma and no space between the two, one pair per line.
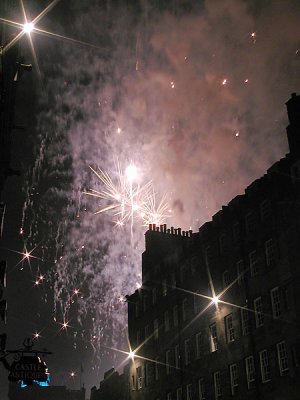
127,200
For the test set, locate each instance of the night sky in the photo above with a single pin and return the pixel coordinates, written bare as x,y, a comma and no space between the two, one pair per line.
192,94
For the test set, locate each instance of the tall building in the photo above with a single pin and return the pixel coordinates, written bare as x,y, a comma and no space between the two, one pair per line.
217,316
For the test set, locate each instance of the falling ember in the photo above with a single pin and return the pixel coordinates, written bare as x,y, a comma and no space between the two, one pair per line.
253,37
119,130
237,134
172,85
21,231
224,82
246,80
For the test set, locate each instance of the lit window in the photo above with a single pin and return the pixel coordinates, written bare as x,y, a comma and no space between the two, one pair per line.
156,369
164,288
184,309
229,328
282,358
240,271
265,210
253,260
189,392
187,351
245,321
264,366
276,305
259,316
154,297
199,345
167,322
217,385
234,380
168,362
250,371
177,356
213,337
201,387
155,330
270,252
175,315
139,377
179,394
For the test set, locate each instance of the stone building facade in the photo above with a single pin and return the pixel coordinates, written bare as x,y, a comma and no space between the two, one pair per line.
217,316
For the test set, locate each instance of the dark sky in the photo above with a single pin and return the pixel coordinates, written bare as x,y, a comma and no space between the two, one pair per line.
192,95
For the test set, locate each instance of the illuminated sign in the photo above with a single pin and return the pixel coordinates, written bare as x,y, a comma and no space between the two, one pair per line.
28,369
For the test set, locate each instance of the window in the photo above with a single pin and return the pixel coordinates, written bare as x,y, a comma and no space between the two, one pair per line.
265,210
167,322
250,371
175,315
282,358
154,296
240,271
217,385
147,332
250,222
139,377
222,243
236,232
189,392
132,382
177,356
168,362
229,328
169,396
173,280
213,337
197,302
164,287
184,309
234,380
245,321
226,279
156,369
201,387
259,316
270,252
199,344
155,330
179,394
253,260
145,302
147,374
275,299
264,366
187,351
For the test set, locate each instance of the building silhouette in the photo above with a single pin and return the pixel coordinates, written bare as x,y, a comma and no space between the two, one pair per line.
217,316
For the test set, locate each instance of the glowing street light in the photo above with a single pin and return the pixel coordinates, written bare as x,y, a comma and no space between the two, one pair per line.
215,300
131,355
28,27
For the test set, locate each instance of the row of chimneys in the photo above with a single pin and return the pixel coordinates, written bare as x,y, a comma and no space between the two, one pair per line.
172,231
